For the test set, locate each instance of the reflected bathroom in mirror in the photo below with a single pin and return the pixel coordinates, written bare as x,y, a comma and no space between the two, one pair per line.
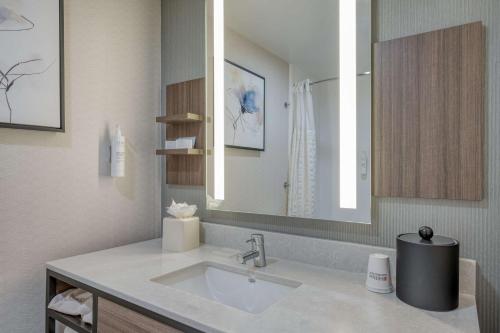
289,108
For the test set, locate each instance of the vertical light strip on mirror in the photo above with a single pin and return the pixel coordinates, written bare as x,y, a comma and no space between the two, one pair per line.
347,110
219,99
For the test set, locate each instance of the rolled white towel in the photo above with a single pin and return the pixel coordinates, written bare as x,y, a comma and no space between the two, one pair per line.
61,328
69,330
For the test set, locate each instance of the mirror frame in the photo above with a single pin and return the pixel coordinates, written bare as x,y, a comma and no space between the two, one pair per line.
354,159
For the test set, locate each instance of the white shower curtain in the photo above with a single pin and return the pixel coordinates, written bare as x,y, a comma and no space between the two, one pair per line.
302,154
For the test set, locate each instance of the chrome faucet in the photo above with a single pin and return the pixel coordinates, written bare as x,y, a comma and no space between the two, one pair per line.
257,253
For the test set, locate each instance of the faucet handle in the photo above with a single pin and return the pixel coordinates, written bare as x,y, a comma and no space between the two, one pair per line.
257,253
252,242
257,238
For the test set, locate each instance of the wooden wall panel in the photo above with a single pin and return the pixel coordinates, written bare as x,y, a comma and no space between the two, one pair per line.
186,97
429,114
182,98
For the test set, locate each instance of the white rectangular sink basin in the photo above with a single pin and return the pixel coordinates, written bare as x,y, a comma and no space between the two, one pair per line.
251,292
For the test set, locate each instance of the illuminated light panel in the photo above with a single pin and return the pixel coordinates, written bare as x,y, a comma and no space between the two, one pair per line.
347,111
219,99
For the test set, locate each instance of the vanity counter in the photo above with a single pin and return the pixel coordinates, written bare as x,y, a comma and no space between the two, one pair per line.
327,301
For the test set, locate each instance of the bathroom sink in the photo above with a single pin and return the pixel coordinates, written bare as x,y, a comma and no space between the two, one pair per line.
248,291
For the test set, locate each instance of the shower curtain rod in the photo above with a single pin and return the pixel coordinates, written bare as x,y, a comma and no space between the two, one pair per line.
336,78
286,104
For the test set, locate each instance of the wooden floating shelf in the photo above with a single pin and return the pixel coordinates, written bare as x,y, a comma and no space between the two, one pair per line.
184,117
182,152
180,118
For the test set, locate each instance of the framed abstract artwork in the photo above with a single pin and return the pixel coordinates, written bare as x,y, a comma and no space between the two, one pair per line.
245,110
31,64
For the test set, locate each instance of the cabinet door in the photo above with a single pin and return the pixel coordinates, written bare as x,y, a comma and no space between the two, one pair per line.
114,318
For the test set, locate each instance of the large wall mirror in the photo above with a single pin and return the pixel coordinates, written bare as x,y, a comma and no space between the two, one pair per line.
289,108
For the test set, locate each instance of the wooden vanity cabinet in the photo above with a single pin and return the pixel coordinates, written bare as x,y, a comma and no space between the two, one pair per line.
114,318
111,314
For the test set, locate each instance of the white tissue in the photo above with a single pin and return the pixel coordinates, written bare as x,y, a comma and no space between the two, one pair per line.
181,210
185,142
213,203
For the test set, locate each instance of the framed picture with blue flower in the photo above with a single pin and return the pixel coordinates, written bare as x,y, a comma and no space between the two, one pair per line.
245,108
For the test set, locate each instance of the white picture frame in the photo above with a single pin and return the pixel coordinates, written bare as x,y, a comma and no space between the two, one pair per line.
245,108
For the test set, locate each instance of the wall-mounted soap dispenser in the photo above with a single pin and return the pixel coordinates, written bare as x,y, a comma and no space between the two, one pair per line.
118,154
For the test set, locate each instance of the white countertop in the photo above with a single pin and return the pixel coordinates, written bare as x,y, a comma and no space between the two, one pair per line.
327,301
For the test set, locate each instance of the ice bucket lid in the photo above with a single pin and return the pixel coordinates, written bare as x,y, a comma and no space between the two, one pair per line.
426,237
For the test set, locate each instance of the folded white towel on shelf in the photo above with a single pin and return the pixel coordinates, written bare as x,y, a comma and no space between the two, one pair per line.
74,302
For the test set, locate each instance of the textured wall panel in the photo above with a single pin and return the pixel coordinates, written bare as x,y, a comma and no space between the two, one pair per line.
56,196
183,57
475,224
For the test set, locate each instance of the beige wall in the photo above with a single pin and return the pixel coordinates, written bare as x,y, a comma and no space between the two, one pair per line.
475,224
56,196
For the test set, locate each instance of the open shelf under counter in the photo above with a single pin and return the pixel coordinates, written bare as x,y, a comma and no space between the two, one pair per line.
180,118
73,322
57,284
182,152
110,314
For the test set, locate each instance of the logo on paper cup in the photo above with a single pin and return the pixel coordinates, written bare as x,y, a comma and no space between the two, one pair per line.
377,276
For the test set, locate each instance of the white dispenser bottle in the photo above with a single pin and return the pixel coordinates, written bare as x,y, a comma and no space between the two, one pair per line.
118,154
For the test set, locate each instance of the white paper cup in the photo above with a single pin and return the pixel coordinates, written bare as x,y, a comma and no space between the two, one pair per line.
378,277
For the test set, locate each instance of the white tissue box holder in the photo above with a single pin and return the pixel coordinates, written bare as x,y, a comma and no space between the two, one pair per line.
180,235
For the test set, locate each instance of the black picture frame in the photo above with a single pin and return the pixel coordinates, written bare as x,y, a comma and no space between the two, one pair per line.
62,123
264,107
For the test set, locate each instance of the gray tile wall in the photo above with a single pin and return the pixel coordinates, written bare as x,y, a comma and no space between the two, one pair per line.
475,224
339,255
